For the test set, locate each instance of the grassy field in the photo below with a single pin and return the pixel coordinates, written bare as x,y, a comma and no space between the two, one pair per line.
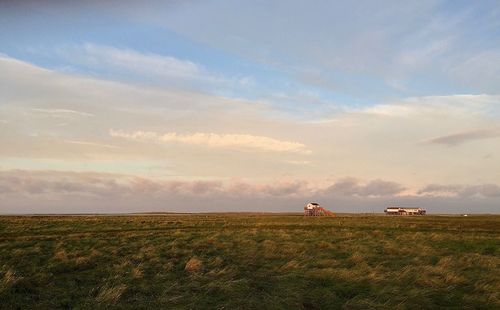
238,261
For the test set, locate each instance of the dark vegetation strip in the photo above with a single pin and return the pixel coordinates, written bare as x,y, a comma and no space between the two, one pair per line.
14,236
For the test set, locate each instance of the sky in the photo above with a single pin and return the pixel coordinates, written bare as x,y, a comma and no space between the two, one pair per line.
216,106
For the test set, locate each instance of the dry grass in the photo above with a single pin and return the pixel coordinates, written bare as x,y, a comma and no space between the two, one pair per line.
61,255
110,294
193,265
9,278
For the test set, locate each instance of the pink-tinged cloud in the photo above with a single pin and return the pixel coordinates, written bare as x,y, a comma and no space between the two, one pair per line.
467,136
28,182
25,191
355,187
57,183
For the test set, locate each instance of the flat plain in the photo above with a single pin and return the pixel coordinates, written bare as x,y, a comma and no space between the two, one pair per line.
249,261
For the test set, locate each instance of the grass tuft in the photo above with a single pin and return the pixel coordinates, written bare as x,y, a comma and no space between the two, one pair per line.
110,294
193,265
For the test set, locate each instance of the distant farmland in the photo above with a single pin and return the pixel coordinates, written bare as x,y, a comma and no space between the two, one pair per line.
249,261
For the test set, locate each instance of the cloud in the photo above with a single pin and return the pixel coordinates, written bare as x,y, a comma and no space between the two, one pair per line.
24,182
417,108
34,96
464,137
202,131
355,187
131,65
61,113
439,190
299,162
480,70
463,191
215,140
42,191
483,190
52,182
60,183
370,45
128,59
283,188
88,143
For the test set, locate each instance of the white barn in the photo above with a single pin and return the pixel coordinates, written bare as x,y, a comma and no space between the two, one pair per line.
404,211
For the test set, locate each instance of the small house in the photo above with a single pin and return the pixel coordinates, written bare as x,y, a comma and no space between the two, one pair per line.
314,209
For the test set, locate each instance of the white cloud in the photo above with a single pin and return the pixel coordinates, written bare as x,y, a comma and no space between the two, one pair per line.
299,162
131,65
61,113
215,140
88,143
436,106
99,55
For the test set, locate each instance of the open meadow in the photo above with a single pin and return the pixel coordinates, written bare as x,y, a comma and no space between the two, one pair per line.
249,261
